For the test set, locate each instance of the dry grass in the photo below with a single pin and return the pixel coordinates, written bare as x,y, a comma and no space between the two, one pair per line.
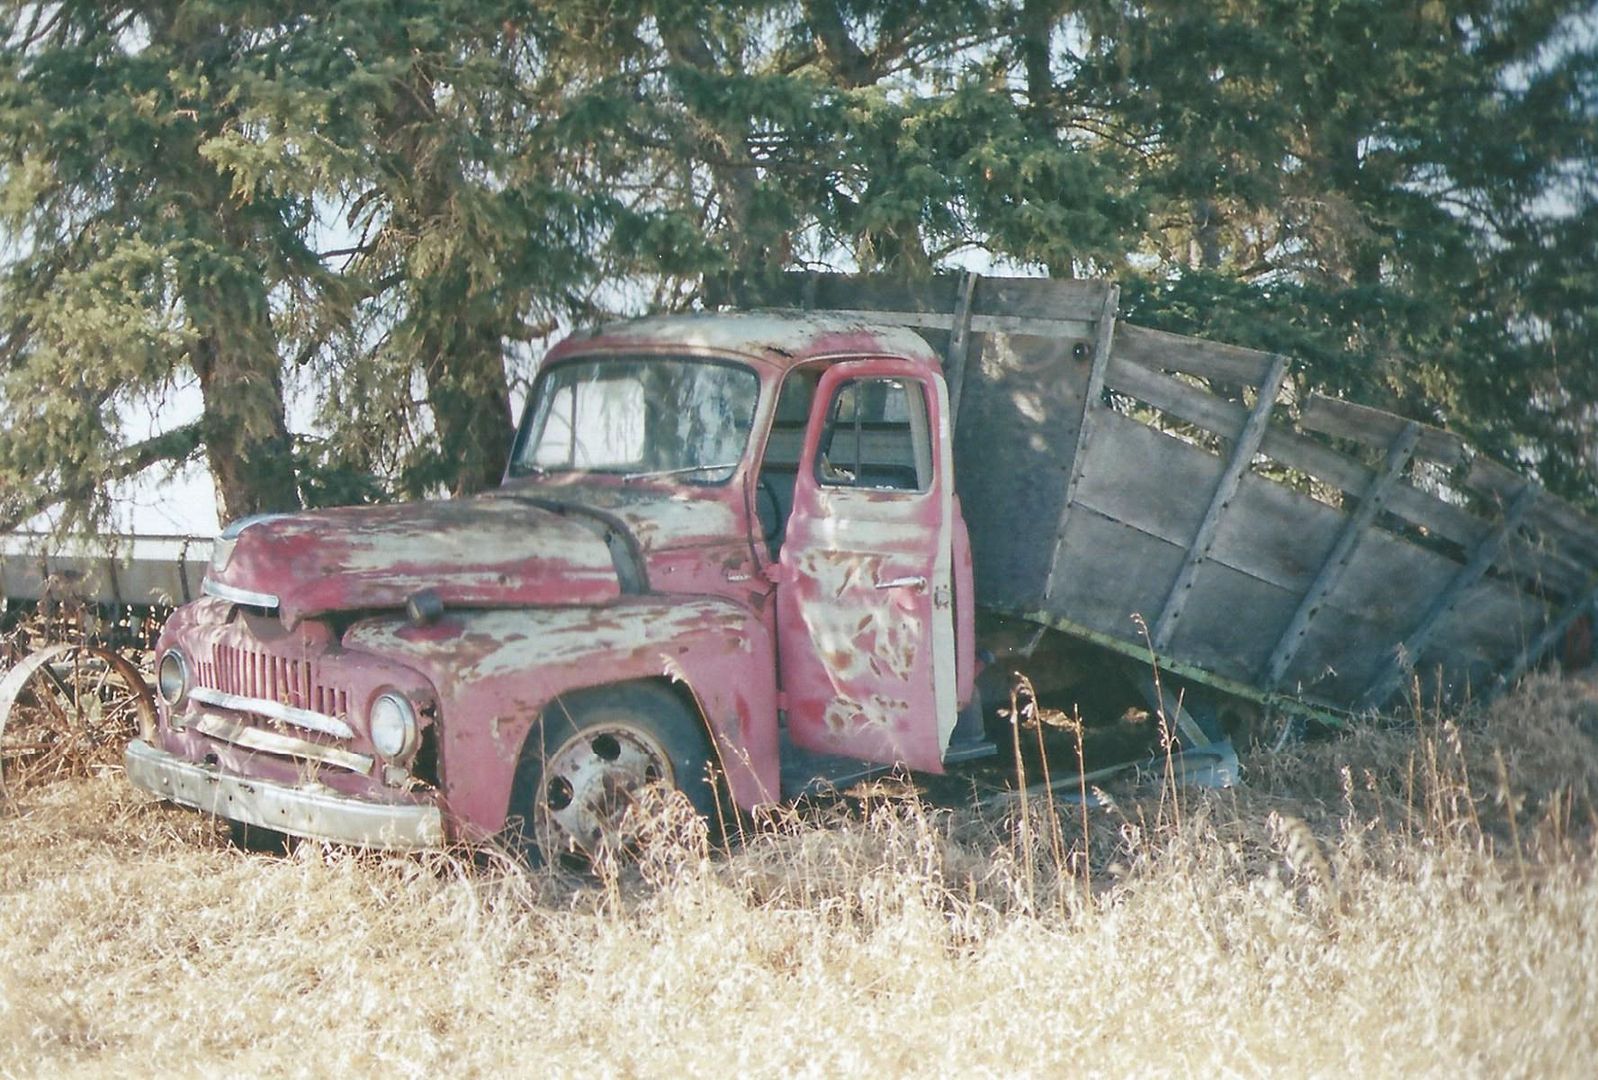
1411,900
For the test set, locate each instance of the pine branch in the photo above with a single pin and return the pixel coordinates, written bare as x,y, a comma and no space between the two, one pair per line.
848,61
176,445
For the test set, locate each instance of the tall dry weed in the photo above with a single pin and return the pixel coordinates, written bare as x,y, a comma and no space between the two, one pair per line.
1414,899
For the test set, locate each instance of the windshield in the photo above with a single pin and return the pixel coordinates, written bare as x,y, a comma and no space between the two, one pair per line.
656,417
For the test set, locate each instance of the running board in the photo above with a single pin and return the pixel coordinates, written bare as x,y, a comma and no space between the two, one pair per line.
805,772
966,750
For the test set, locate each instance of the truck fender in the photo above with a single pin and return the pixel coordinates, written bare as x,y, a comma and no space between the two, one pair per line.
496,671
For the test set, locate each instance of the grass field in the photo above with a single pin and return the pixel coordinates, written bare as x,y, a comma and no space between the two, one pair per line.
1410,900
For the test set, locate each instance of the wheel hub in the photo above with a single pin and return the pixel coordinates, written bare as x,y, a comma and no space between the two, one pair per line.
589,784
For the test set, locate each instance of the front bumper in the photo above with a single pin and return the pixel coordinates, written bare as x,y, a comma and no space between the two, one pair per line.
311,811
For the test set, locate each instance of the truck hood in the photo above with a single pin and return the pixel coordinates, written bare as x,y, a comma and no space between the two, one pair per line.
478,552
667,520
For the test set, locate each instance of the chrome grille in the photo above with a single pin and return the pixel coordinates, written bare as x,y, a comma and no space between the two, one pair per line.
252,674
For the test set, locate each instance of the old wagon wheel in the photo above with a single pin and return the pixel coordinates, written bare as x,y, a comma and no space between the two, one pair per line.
67,708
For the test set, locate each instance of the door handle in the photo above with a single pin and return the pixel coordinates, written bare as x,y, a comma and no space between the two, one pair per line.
917,583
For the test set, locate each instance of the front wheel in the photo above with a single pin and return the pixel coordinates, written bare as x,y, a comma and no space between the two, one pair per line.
592,758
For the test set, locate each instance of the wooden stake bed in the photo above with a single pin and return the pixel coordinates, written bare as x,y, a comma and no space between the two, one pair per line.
1141,489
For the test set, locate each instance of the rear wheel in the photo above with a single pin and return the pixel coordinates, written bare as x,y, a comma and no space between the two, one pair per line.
592,758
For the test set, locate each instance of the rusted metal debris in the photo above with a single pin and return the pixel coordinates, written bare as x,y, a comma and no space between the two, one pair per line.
67,708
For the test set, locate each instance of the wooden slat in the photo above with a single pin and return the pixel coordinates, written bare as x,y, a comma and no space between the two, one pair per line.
1041,298
1157,484
1093,587
954,362
833,291
1500,481
1551,635
1388,587
1385,592
1230,621
1116,569
1248,442
978,324
1422,509
1543,568
1331,571
1569,553
1483,634
1374,427
1338,658
1050,328
1182,400
1392,582
1207,359
1103,342
1457,525
1480,560
1493,478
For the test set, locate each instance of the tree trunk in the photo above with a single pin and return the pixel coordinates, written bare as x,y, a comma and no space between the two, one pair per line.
1207,233
247,441
467,393
455,333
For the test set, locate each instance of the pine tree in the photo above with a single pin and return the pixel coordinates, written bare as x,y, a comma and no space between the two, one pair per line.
389,198
137,262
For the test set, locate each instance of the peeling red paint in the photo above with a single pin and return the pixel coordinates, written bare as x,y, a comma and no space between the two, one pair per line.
867,655
471,551
562,583
511,664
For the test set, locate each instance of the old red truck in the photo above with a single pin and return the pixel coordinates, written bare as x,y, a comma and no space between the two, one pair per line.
735,542
673,563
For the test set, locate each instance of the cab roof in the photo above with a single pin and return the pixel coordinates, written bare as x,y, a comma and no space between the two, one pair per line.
782,338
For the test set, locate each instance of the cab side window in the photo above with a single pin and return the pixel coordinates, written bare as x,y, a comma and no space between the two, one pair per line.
876,437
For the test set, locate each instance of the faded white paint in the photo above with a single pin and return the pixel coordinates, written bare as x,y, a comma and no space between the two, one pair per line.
662,522
513,643
759,333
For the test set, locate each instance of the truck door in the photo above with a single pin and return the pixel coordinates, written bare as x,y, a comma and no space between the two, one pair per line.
864,601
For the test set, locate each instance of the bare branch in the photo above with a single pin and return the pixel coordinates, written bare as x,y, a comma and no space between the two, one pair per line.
852,66
179,444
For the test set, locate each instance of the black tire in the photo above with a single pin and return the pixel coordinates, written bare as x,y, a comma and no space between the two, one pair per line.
588,759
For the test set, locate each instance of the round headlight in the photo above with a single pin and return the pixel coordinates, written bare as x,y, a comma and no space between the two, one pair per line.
392,725
172,677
